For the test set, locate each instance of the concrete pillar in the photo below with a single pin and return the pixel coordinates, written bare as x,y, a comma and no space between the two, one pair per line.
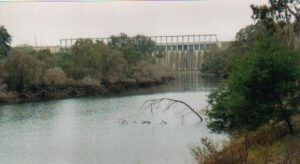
194,42
160,39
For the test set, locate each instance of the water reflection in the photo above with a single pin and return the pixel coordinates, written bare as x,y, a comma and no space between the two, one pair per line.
185,81
89,130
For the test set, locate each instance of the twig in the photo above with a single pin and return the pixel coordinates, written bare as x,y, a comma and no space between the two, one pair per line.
173,102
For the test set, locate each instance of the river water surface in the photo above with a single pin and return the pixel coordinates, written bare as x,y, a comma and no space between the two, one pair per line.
108,129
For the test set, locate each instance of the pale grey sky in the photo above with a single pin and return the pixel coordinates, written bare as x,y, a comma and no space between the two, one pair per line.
51,21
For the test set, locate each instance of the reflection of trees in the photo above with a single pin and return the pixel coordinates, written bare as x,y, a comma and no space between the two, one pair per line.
195,81
185,81
18,112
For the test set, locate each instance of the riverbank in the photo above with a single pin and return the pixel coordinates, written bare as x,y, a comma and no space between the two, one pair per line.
268,144
41,93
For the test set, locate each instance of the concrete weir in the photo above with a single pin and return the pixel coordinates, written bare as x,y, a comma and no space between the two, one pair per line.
184,52
179,52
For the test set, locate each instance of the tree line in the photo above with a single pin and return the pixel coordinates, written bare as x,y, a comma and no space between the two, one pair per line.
122,60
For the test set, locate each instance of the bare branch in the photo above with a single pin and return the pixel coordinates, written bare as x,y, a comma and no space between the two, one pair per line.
152,102
295,14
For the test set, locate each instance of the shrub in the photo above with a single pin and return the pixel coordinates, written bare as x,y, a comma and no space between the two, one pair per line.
23,71
147,72
87,59
116,67
3,86
205,151
55,76
88,81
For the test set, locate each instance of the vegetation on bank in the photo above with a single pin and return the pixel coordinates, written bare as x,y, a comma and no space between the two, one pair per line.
267,144
287,28
122,62
259,104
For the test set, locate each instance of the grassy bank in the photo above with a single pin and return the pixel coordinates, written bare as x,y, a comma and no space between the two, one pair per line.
268,144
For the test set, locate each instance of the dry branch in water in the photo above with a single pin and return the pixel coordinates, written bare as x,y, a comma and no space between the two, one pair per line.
151,103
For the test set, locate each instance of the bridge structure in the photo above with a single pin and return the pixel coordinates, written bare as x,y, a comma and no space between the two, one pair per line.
179,52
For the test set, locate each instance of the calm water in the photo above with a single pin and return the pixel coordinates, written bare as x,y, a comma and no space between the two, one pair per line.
90,130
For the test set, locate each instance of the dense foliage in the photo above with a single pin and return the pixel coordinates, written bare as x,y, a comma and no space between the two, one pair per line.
262,87
220,61
86,63
5,40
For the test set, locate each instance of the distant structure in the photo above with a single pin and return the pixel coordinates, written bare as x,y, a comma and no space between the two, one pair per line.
185,52
53,49
181,52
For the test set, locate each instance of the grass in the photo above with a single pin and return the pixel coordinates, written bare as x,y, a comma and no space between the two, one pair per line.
267,145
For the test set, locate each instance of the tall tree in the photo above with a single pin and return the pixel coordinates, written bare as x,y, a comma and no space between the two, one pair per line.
220,61
5,40
133,48
282,10
88,58
262,87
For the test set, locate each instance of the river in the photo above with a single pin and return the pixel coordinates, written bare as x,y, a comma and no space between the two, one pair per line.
108,129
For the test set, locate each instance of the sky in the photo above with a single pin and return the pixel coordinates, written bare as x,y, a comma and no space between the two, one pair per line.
45,23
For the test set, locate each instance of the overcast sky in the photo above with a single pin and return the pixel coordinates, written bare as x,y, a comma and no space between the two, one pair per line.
50,21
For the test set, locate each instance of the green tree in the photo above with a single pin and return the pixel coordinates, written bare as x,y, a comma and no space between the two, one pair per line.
220,61
55,76
88,59
23,71
144,44
217,62
46,57
263,86
133,48
280,10
286,13
116,67
5,40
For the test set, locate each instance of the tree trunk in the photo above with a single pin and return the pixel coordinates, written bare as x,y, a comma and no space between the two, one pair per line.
286,117
289,125
287,120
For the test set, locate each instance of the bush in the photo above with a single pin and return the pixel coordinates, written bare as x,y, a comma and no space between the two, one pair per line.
3,73
123,59
147,72
133,48
217,62
46,57
87,59
23,71
221,61
117,68
55,76
3,86
88,81
205,151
